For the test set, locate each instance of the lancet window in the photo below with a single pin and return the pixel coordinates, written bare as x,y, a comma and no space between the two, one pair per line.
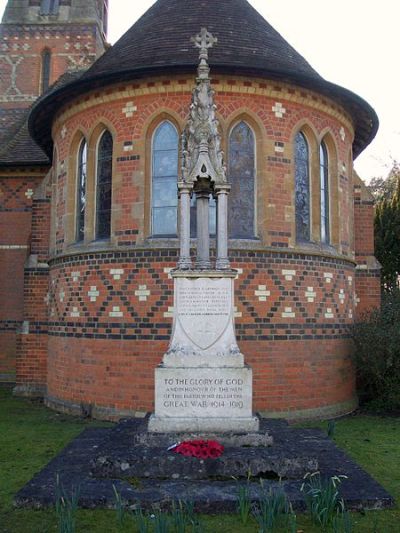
104,186
81,191
164,180
46,64
49,7
324,180
302,188
242,179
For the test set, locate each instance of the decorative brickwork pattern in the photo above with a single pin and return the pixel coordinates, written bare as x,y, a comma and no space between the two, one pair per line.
116,337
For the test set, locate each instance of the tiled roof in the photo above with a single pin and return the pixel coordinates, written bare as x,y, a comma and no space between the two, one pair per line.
17,147
160,43
20,148
161,37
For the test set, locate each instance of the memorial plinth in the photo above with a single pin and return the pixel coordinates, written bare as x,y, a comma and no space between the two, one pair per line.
203,383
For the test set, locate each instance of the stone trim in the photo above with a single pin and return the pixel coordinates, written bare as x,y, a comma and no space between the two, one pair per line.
7,380
320,413
172,245
30,391
90,410
258,87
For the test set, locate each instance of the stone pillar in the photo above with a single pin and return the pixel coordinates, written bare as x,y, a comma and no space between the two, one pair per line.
222,229
203,230
185,262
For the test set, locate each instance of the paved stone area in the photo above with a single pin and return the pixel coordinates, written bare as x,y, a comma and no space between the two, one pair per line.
100,458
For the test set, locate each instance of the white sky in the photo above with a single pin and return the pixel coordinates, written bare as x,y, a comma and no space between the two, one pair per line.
353,43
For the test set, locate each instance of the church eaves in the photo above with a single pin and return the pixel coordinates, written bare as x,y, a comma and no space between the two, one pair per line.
159,42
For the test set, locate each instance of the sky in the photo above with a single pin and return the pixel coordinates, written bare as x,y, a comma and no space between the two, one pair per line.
353,43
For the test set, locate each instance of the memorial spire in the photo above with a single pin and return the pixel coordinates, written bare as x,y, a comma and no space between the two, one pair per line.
203,168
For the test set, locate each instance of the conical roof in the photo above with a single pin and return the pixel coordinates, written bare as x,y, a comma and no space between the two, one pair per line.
161,39
160,42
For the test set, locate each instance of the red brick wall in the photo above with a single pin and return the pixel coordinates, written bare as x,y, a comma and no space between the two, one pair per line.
104,342
72,47
15,231
368,281
32,342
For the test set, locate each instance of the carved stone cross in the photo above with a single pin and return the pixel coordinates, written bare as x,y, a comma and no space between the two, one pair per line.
204,40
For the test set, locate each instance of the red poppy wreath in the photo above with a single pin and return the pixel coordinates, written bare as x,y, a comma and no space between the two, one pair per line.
202,449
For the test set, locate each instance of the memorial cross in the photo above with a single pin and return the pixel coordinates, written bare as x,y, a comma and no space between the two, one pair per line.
204,40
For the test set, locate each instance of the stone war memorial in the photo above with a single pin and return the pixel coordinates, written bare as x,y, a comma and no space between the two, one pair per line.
203,383
203,388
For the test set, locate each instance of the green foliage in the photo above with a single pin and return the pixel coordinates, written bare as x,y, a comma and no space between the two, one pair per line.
244,503
119,506
387,231
161,522
322,498
66,507
377,354
342,523
331,429
141,521
31,435
273,512
182,516
384,188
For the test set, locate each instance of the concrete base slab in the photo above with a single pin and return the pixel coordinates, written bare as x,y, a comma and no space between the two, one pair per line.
76,464
200,425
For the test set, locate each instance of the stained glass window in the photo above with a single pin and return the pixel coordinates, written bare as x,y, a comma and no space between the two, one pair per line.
302,188
242,179
81,191
105,17
49,7
164,180
324,176
104,186
46,62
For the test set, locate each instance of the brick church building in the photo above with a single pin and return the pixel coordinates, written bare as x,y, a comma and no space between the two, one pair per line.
89,162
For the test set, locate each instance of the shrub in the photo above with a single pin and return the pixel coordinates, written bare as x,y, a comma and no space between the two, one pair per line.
377,354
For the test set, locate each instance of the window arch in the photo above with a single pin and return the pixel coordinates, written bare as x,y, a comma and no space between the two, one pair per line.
45,74
302,188
164,198
104,186
81,177
324,188
241,167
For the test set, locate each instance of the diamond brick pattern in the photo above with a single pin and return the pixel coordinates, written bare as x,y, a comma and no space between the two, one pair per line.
140,301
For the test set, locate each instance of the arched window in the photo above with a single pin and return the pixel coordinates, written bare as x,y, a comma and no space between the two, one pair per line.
164,180
49,7
242,180
302,188
46,64
81,191
324,180
105,17
104,186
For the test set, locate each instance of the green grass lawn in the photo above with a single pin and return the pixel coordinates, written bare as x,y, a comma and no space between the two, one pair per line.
31,435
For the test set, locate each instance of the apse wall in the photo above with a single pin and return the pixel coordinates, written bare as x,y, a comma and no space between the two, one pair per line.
110,300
